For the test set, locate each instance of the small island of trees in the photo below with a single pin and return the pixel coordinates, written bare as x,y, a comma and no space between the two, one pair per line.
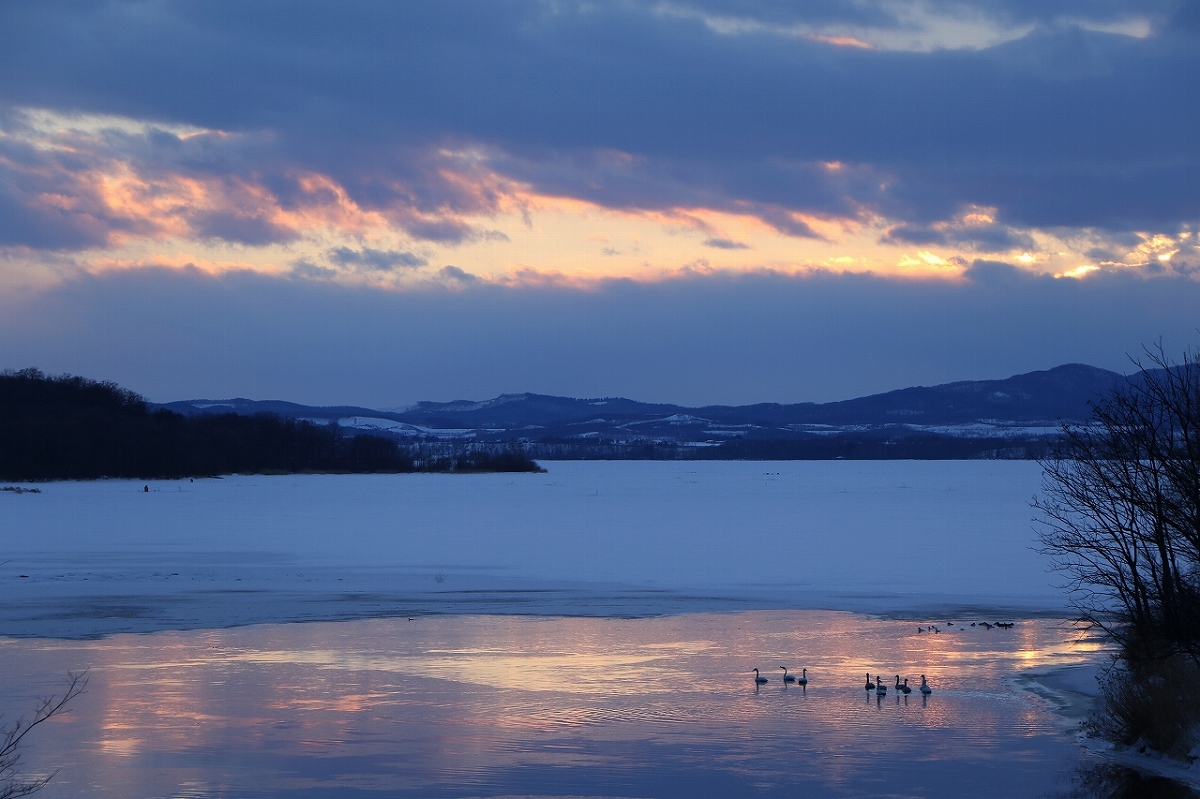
74,428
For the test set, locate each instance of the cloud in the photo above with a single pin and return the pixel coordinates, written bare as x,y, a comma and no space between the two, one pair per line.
979,237
457,275
174,334
375,260
254,229
1001,273
628,105
884,15
50,200
726,244
307,269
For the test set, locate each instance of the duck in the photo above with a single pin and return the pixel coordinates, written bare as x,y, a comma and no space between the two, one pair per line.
925,689
904,689
803,678
757,679
787,677
880,688
870,685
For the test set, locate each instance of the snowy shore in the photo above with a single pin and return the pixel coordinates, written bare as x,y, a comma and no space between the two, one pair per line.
1073,691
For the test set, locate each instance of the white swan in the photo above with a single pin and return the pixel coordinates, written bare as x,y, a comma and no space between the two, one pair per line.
804,678
904,689
870,685
757,679
880,688
925,689
787,677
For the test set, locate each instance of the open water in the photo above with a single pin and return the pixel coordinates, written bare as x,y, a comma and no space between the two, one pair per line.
464,706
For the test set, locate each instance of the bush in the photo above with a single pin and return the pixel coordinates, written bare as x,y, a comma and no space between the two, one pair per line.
1150,703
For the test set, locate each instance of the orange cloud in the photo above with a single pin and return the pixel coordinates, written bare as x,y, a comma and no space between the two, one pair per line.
841,41
485,227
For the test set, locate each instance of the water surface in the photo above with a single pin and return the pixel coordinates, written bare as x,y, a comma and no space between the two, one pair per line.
459,706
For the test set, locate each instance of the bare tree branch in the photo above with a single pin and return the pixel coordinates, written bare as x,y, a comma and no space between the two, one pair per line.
12,737
1120,511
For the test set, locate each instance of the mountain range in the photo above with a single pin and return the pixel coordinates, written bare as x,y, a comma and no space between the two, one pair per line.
1019,411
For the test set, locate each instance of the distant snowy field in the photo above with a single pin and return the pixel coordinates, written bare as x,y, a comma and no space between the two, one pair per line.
911,538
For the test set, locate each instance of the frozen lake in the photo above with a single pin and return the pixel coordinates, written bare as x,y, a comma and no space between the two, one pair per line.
909,538
548,635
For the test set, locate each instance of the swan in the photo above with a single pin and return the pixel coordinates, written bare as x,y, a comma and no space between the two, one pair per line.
870,685
803,678
925,689
759,680
904,689
880,688
787,677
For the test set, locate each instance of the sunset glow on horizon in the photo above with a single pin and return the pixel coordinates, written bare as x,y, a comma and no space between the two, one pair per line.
468,150
508,233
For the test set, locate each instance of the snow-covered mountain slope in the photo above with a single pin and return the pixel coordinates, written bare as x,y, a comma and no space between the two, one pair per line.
1028,406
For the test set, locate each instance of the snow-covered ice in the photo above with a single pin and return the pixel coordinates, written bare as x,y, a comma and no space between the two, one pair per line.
587,538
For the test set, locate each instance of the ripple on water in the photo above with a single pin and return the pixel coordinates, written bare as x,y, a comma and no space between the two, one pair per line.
464,706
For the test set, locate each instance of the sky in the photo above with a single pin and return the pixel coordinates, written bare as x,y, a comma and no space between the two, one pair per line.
688,201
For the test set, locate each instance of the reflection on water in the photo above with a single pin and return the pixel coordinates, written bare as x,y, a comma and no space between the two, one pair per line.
486,705
1108,781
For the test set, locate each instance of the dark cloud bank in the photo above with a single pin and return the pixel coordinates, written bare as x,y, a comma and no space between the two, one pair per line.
716,339
621,104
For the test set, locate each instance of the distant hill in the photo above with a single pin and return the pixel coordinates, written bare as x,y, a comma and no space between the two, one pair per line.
1059,394
1019,413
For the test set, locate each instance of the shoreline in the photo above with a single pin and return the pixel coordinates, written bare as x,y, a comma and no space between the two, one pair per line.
1071,691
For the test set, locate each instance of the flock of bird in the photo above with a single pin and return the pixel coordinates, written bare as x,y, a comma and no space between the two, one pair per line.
878,686
986,625
881,690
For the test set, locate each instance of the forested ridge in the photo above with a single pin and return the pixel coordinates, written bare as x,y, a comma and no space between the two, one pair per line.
74,428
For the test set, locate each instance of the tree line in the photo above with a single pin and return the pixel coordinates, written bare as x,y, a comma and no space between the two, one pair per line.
73,428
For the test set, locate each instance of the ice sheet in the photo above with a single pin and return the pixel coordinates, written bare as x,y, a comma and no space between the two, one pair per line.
909,538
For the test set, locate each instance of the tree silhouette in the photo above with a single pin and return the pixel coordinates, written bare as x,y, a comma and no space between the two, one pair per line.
12,740
1121,510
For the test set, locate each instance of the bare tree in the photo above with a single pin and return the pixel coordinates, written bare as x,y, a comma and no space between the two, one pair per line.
1120,512
12,739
